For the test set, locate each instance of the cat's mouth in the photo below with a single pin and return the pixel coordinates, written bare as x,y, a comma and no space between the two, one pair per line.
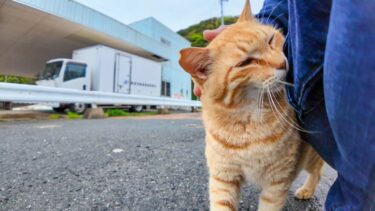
277,81
280,74
279,77
285,66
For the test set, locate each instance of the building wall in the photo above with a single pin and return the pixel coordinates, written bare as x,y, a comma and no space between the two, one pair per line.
172,72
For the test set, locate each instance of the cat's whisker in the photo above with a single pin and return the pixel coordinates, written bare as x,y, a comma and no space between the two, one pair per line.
272,108
273,104
286,40
265,8
278,16
295,123
286,118
282,112
279,92
268,7
285,83
280,116
273,10
275,113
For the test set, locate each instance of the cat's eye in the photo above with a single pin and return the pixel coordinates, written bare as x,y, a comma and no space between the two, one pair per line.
245,62
270,41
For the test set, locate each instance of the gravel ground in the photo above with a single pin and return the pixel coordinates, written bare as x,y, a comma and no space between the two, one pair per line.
114,164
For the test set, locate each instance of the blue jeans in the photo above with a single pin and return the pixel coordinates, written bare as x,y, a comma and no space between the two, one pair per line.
346,118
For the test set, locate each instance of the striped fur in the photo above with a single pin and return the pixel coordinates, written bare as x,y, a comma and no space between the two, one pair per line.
251,134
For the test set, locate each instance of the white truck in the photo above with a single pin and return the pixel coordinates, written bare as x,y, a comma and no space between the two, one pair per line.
100,68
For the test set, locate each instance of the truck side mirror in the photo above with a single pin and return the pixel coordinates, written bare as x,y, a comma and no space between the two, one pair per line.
48,75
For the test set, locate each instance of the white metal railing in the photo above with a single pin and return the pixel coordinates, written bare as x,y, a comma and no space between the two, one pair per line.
39,94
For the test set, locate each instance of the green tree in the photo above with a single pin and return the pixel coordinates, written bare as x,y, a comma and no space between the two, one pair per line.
194,33
17,79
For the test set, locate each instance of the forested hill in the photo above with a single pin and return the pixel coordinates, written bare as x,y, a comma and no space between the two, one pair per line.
194,33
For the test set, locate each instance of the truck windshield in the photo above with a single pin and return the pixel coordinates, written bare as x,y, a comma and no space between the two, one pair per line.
52,70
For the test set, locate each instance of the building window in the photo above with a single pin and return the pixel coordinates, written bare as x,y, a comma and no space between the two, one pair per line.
165,89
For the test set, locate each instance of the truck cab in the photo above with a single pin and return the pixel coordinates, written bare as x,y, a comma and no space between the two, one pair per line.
66,73
69,74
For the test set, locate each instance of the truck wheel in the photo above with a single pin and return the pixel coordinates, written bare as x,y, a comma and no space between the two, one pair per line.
59,109
137,108
78,108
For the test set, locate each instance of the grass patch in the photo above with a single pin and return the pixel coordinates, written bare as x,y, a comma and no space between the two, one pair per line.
72,115
120,112
116,112
55,116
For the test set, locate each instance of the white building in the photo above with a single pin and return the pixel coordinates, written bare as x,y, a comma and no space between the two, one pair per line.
35,31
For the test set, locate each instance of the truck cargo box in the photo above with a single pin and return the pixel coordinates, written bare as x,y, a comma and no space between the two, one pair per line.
120,72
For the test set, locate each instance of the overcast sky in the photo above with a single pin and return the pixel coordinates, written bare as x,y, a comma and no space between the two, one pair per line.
176,14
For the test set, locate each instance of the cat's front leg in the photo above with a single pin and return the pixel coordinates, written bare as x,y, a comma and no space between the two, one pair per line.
273,196
225,187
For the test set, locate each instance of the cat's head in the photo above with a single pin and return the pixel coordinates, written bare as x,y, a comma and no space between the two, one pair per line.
244,59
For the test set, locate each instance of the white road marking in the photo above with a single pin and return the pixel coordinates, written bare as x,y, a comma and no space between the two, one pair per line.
117,150
48,126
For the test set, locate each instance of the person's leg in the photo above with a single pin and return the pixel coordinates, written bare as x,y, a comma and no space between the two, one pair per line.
349,89
320,134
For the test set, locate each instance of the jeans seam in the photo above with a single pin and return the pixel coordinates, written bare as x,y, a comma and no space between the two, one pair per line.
306,82
297,104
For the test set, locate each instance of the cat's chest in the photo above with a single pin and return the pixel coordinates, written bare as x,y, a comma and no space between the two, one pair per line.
252,158
251,150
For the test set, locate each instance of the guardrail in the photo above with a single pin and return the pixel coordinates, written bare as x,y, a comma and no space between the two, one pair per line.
38,94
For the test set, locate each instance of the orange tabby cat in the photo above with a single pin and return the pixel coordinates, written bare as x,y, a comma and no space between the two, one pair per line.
250,129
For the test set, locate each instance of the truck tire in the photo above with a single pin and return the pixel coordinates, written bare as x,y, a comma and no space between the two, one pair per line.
59,109
137,108
78,108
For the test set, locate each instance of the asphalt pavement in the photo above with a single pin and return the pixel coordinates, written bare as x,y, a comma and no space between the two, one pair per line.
115,164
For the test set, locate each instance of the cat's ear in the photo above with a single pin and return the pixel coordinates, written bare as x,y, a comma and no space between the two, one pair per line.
196,61
246,15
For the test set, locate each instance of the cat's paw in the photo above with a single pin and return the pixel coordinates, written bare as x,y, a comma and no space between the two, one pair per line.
304,193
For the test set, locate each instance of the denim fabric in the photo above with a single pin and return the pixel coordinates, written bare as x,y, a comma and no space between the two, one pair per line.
275,12
305,24
349,89
331,48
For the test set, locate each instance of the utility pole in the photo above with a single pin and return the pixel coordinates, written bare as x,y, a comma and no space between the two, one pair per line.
222,11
